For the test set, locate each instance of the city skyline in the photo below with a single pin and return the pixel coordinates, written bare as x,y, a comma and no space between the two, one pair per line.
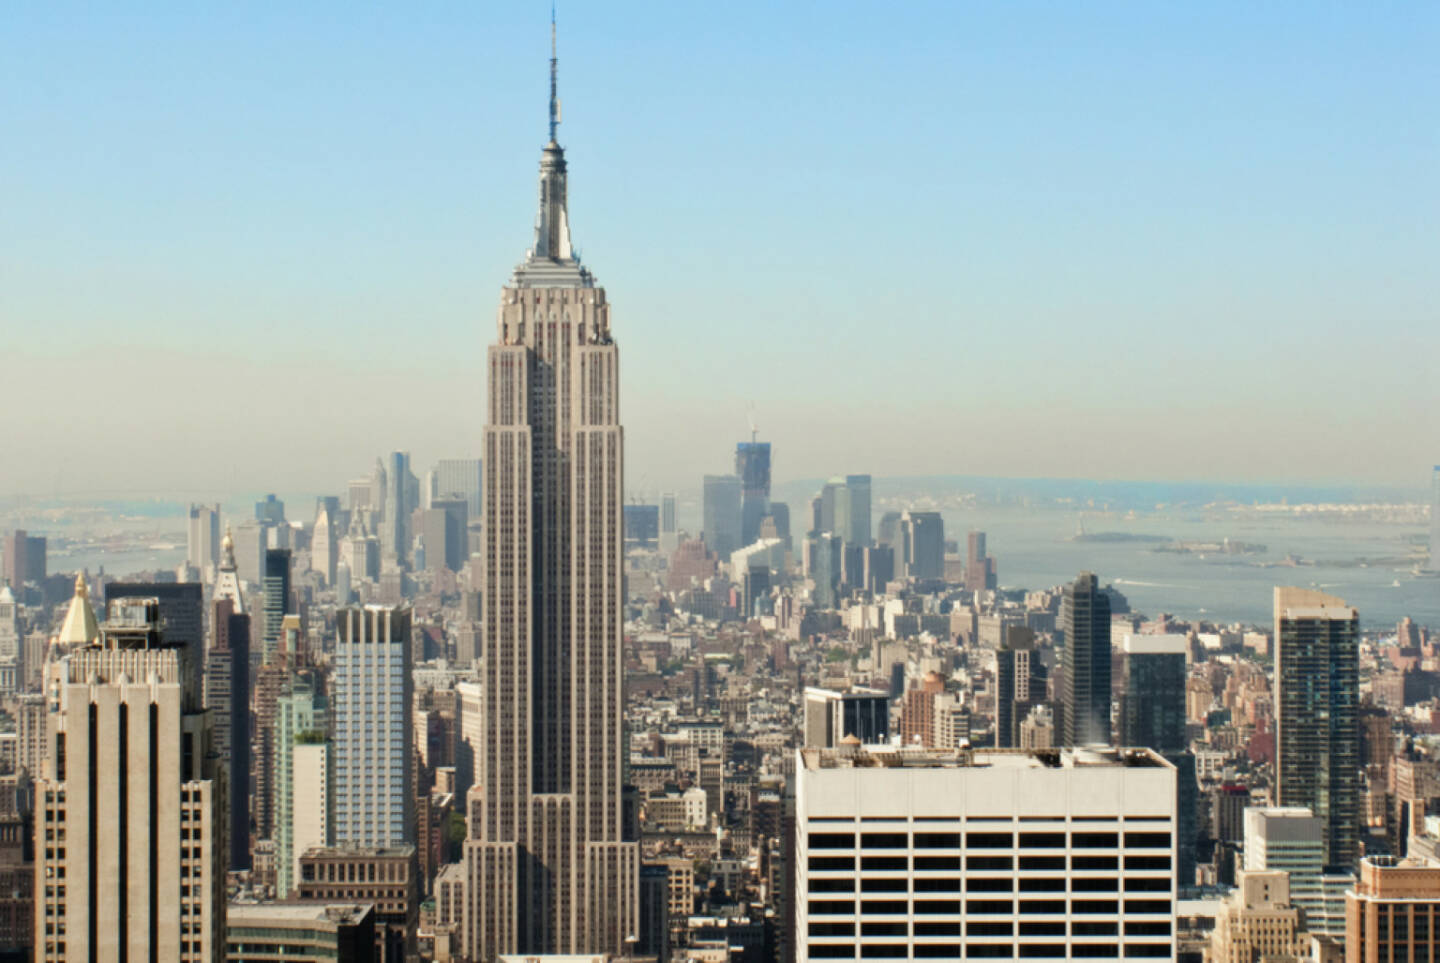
1114,186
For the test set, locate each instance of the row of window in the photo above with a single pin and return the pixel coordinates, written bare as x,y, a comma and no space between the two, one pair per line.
994,951
831,864
1077,928
991,840
992,907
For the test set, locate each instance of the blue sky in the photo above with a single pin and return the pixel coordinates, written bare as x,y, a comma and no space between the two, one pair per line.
1031,239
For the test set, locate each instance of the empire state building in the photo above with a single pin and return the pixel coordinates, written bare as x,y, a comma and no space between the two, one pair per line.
548,869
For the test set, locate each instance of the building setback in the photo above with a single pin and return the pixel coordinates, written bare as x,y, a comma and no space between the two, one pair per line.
548,866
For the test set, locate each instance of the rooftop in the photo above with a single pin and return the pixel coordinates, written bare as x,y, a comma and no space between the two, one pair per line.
297,912
897,757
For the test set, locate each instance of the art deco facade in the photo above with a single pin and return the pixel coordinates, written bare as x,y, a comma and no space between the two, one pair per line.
130,860
548,868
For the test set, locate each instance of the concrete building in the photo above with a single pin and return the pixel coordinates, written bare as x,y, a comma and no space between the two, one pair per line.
549,869
831,716
371,706
1317,725
1085,617
301,715
1258,922
979,566
912,854
1019,684
310,932
1291,839
1393,913
381,876
130,861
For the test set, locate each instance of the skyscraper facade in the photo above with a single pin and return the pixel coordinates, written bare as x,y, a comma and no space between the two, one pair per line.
456,477
549,869
1085,615
371,705
723,514
128,802
277,599
300,718
1317,725
203,539
858,524
922,536
752,466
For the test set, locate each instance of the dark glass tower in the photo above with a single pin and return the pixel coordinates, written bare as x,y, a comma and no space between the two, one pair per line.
1085,615
752,464
1317,725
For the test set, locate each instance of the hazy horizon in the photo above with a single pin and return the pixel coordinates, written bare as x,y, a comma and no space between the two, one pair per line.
251,250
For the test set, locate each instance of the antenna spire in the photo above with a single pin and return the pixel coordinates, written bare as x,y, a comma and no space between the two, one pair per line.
554,99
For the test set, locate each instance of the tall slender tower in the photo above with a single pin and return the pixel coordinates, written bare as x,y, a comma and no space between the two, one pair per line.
548,867
1317,726
1085,615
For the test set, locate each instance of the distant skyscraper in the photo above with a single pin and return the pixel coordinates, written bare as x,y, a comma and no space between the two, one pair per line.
1085,616
722,532
830,716
669,524
325,546
395,532
548,866
277,600
374,798
182,610
1019,684
227,696
979,567
923,536
444,530
1317,725
270,511
129,798
24,557
642,526
456,478
203,539
857,529
752,466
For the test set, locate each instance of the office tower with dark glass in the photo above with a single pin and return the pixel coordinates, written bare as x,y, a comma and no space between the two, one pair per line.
549,869
1085,616
202,543
1317,728
858,524
752,466
922,541
277,600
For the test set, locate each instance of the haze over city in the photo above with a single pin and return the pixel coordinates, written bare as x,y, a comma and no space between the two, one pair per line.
1015,240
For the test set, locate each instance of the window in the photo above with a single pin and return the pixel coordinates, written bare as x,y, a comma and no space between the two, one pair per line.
1094,862
991,884
937,840
933,863
822,864
978,864
1093,840
936,907
1045,863
884,840
989,840
1035,907
1148,906
832,841
989,906
991,929
898,928
881,884
1042,840
1147,840
1147,862
1082,906
883,863
883,906
831,907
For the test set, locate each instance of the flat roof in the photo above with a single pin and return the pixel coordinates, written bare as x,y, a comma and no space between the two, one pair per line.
1171,644
298,912
898,757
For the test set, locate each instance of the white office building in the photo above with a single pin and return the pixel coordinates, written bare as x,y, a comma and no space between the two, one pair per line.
993,854
374,804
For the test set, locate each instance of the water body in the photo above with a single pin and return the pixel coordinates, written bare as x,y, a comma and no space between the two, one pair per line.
1034,549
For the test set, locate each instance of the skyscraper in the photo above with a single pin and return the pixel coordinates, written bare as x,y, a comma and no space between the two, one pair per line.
1317,726
300,718
371,705
203,539
182,610
752,465
723,530
922,536
227,696
395,532
1019,683
548,867
24,558
455,477
857,528
277,599
128,801
1085,615
325,546
669,524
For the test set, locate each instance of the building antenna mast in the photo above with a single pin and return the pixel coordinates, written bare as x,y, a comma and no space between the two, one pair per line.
554,99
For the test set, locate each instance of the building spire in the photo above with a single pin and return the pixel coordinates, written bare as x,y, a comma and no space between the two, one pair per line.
554,61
